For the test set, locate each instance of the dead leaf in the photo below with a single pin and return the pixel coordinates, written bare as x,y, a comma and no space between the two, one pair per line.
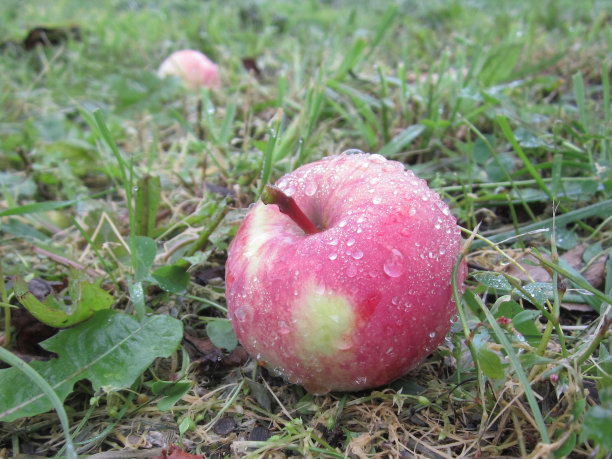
250,64
30,331
50,36
202,350
224,426
594,274
174,452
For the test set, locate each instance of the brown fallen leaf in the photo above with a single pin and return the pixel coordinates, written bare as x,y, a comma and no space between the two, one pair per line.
174,452
594,274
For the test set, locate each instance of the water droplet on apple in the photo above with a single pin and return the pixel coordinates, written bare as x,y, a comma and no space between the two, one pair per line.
350,242
394,300
394,266
332,240
357,254
361,219
442,250
376,200
361,380
345,344
283,328
342,223
352,151
377,159
405,232
351,271
412,211
320,289
432,335
425,198
332,256
240,314
310,189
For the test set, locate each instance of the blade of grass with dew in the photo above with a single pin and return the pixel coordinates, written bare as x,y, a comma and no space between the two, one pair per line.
600,208
266,166
44,386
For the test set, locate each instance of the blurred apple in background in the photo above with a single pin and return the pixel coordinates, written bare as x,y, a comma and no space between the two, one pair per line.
194,68
344,282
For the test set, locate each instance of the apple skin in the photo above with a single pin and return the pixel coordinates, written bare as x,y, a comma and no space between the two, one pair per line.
194,68
359,303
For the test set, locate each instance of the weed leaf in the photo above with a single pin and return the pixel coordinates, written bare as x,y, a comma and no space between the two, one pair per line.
111,350
86,299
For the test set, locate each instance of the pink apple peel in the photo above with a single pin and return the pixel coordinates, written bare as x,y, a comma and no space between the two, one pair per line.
361,301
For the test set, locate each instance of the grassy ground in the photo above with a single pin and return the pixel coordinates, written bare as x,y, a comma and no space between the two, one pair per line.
504,107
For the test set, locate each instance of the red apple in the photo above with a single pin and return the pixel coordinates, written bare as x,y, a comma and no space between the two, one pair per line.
359,296
193,67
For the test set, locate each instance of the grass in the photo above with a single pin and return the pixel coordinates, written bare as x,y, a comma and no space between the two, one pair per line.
504,108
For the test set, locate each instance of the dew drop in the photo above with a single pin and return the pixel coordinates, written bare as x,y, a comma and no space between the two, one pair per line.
351,271
361,219
432,335
378,159
310,189
376,200
425,198
283,328
345,344
412,211
405,232
332,256
332,241
350,242
240,314
394,266
442,250
394,300
342,223
357,254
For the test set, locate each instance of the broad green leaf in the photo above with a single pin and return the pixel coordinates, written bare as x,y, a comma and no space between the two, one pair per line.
540,291
500,63
508,309
597,425
493,280
146,250
524,323
489,361
222,334
260,393
170,391
111,350
173,279
86,299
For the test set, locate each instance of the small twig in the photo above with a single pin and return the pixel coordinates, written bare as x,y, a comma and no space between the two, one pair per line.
66,262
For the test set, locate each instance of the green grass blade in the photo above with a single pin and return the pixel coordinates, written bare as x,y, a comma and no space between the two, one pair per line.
601,208
520,373
503,123
44,386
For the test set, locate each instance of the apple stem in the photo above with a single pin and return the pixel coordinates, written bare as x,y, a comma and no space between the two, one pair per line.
287,205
